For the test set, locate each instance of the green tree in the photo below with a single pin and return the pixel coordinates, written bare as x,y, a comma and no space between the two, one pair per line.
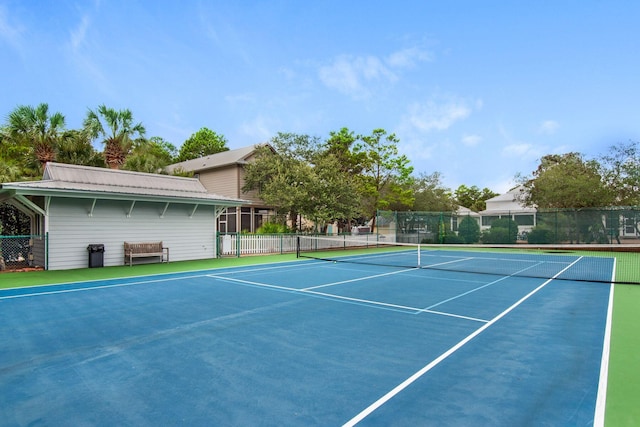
502,231
37,129
340,145
202,143
473,198
566,181
117,130
385,176
280,173
430,195
621,172
150,155
469,230
330,193
75,148
10,169
296,175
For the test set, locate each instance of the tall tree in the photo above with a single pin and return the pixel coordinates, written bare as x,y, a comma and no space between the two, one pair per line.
301,177
473,198
566,181
202,143
282,177
75,148
386,175
430,195
37,129
150,155
340,145
117,130
621,172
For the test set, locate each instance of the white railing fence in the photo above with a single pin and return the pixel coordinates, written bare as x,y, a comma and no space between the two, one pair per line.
238,244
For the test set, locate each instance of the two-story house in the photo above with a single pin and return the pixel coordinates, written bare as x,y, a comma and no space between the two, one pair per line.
223,173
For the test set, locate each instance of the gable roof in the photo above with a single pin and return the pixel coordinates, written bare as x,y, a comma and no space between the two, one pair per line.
90,182
238,156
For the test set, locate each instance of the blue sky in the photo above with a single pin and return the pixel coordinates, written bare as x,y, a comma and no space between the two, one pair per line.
475,90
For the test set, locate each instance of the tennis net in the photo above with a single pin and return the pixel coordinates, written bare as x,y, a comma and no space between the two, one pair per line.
599,264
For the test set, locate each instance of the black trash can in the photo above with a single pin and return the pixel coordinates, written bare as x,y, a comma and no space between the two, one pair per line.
96,255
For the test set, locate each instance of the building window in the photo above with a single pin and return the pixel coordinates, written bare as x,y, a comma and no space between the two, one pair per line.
487,220
524,219
245,219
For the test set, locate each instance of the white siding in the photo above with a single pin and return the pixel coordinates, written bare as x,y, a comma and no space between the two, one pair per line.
71,230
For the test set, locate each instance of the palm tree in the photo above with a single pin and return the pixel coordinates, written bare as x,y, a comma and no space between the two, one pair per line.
36,129
75,148
117,129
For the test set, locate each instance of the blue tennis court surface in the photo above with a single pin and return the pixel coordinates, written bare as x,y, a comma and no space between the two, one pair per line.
304,343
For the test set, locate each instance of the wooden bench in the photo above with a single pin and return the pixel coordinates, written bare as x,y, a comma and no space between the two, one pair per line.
145,250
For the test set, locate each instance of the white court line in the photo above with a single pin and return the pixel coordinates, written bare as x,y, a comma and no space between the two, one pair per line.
92,288
400,387
357,279
308,291
481,287
601,399
119,285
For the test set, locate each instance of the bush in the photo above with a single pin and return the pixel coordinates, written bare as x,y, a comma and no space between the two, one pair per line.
498,235
541,235
272,228
453,239
509,234
469,230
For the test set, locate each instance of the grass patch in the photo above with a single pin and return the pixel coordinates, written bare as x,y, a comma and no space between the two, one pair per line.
35,278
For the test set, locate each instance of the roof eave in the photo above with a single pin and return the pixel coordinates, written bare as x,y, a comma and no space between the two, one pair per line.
122,196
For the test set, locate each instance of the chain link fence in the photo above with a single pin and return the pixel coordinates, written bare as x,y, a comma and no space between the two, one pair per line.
609,225
19,252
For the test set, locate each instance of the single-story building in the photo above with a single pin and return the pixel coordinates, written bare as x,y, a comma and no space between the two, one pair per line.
73,207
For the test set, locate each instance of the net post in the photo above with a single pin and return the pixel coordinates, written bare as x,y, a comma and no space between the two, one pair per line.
297,246
419,262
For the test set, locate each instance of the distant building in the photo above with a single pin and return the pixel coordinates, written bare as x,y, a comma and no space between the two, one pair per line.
508,205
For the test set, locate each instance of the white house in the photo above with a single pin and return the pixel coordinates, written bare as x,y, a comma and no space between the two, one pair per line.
73,207
508,205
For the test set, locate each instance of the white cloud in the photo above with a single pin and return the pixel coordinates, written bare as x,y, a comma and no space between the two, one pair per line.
548,127
408,58
522,150
86,54
78,36
9,31
258,129
354,75
350,75
471,140
434,116
519,150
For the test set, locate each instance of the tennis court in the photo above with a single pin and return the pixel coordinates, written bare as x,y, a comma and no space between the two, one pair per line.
313,343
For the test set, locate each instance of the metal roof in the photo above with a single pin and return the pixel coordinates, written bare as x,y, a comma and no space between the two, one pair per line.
224,158
90,182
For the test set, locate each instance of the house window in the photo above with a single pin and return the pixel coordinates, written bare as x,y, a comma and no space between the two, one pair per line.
245,219
487,220
232,226
523,219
